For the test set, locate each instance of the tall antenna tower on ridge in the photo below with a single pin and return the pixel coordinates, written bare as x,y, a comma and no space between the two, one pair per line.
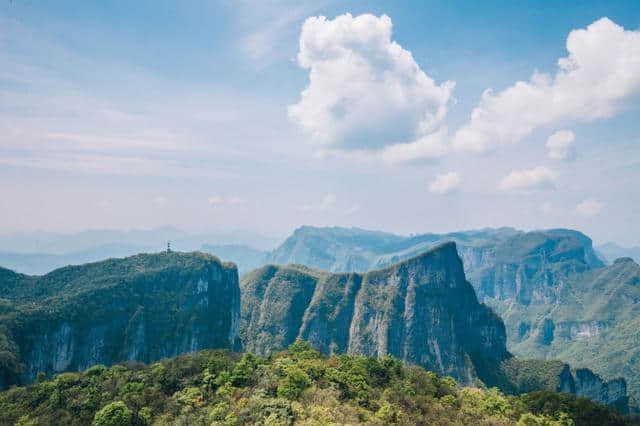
169,246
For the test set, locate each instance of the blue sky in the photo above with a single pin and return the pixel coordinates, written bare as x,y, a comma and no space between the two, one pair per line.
139,114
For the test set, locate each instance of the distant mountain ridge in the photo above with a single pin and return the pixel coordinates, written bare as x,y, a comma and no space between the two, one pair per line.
244,256
36,253
613,251
338,249
41,263
63,243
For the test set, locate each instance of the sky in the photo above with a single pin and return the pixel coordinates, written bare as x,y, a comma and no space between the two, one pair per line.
403,116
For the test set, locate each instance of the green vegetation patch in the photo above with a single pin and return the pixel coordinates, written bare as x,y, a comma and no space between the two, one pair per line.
296,386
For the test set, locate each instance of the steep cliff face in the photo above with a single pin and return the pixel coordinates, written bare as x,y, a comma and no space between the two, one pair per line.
422,311
585,383
143,308
531,268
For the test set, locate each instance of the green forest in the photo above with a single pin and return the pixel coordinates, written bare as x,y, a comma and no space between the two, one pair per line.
296,386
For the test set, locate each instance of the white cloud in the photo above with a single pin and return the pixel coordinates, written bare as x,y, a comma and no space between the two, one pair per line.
366,93
273,23
428,147
445,184
601,71
353,209
328,201
546,207
589,207
537,178
560,145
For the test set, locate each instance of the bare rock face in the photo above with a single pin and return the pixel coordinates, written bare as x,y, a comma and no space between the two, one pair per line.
585,383
421,311
531,268
141,308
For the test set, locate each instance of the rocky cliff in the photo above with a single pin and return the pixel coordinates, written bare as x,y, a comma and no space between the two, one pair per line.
531,268
142,308
594,324
421,310
536,281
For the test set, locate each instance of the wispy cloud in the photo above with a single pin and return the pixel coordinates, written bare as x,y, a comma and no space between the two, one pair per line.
445,183
589,207
560,145
537,178
327,202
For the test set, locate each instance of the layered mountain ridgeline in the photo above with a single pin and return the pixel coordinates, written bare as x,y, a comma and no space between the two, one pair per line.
245,257
595,322
143,308
357,250
422,311
298,386
42,263
37,253
612,251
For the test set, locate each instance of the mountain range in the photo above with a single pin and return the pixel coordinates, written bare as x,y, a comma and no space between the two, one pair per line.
150,306
555,295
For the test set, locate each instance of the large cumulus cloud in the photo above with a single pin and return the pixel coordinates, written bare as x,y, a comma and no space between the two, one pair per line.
366,93
601,71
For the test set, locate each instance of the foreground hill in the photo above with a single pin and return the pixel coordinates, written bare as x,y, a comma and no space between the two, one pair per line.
421,310
298,386
143,308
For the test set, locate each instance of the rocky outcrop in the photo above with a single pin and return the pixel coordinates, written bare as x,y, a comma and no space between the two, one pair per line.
585,383
142,308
